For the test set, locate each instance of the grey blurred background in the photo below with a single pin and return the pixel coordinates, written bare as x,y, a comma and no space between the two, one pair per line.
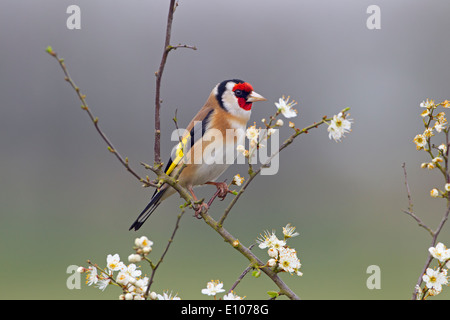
65,199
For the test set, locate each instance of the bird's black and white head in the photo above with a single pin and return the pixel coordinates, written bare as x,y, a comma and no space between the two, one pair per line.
236,97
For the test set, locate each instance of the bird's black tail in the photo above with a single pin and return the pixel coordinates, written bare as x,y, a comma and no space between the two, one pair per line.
154,203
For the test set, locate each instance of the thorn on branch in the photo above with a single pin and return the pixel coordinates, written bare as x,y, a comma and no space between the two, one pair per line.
170,47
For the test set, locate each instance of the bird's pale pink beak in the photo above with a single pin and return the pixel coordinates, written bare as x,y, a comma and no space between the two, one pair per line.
253,96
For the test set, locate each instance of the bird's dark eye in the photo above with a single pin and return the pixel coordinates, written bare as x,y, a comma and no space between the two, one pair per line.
238,93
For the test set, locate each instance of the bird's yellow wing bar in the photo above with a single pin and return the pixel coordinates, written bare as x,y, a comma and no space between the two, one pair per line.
189,139
179,154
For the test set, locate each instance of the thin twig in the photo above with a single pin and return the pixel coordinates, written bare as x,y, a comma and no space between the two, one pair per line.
239,279
253,174
155,267
94,119
175,120
410,204
181,46
419,222
159,73
243,274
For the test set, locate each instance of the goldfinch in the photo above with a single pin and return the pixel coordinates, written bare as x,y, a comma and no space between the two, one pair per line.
209,143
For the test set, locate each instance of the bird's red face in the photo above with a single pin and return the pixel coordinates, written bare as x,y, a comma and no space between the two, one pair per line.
242,92
236,97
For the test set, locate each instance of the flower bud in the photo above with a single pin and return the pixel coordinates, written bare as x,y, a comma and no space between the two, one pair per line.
153,295
81,269
272,252
147,250
434,193
128,296
272,262
133,258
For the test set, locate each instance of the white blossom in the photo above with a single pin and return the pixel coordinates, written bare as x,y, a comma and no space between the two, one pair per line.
213,287
440,252
232,296
285,107
338,126
238,180
143,242
168,296
113,262
434,279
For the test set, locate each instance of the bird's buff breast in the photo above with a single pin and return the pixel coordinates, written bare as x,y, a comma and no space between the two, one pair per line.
215,158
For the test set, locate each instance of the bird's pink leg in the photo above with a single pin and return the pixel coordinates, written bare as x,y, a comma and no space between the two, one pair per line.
200,207
222,187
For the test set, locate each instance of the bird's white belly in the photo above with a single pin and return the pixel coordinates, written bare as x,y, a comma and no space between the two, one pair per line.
209,172
219,155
